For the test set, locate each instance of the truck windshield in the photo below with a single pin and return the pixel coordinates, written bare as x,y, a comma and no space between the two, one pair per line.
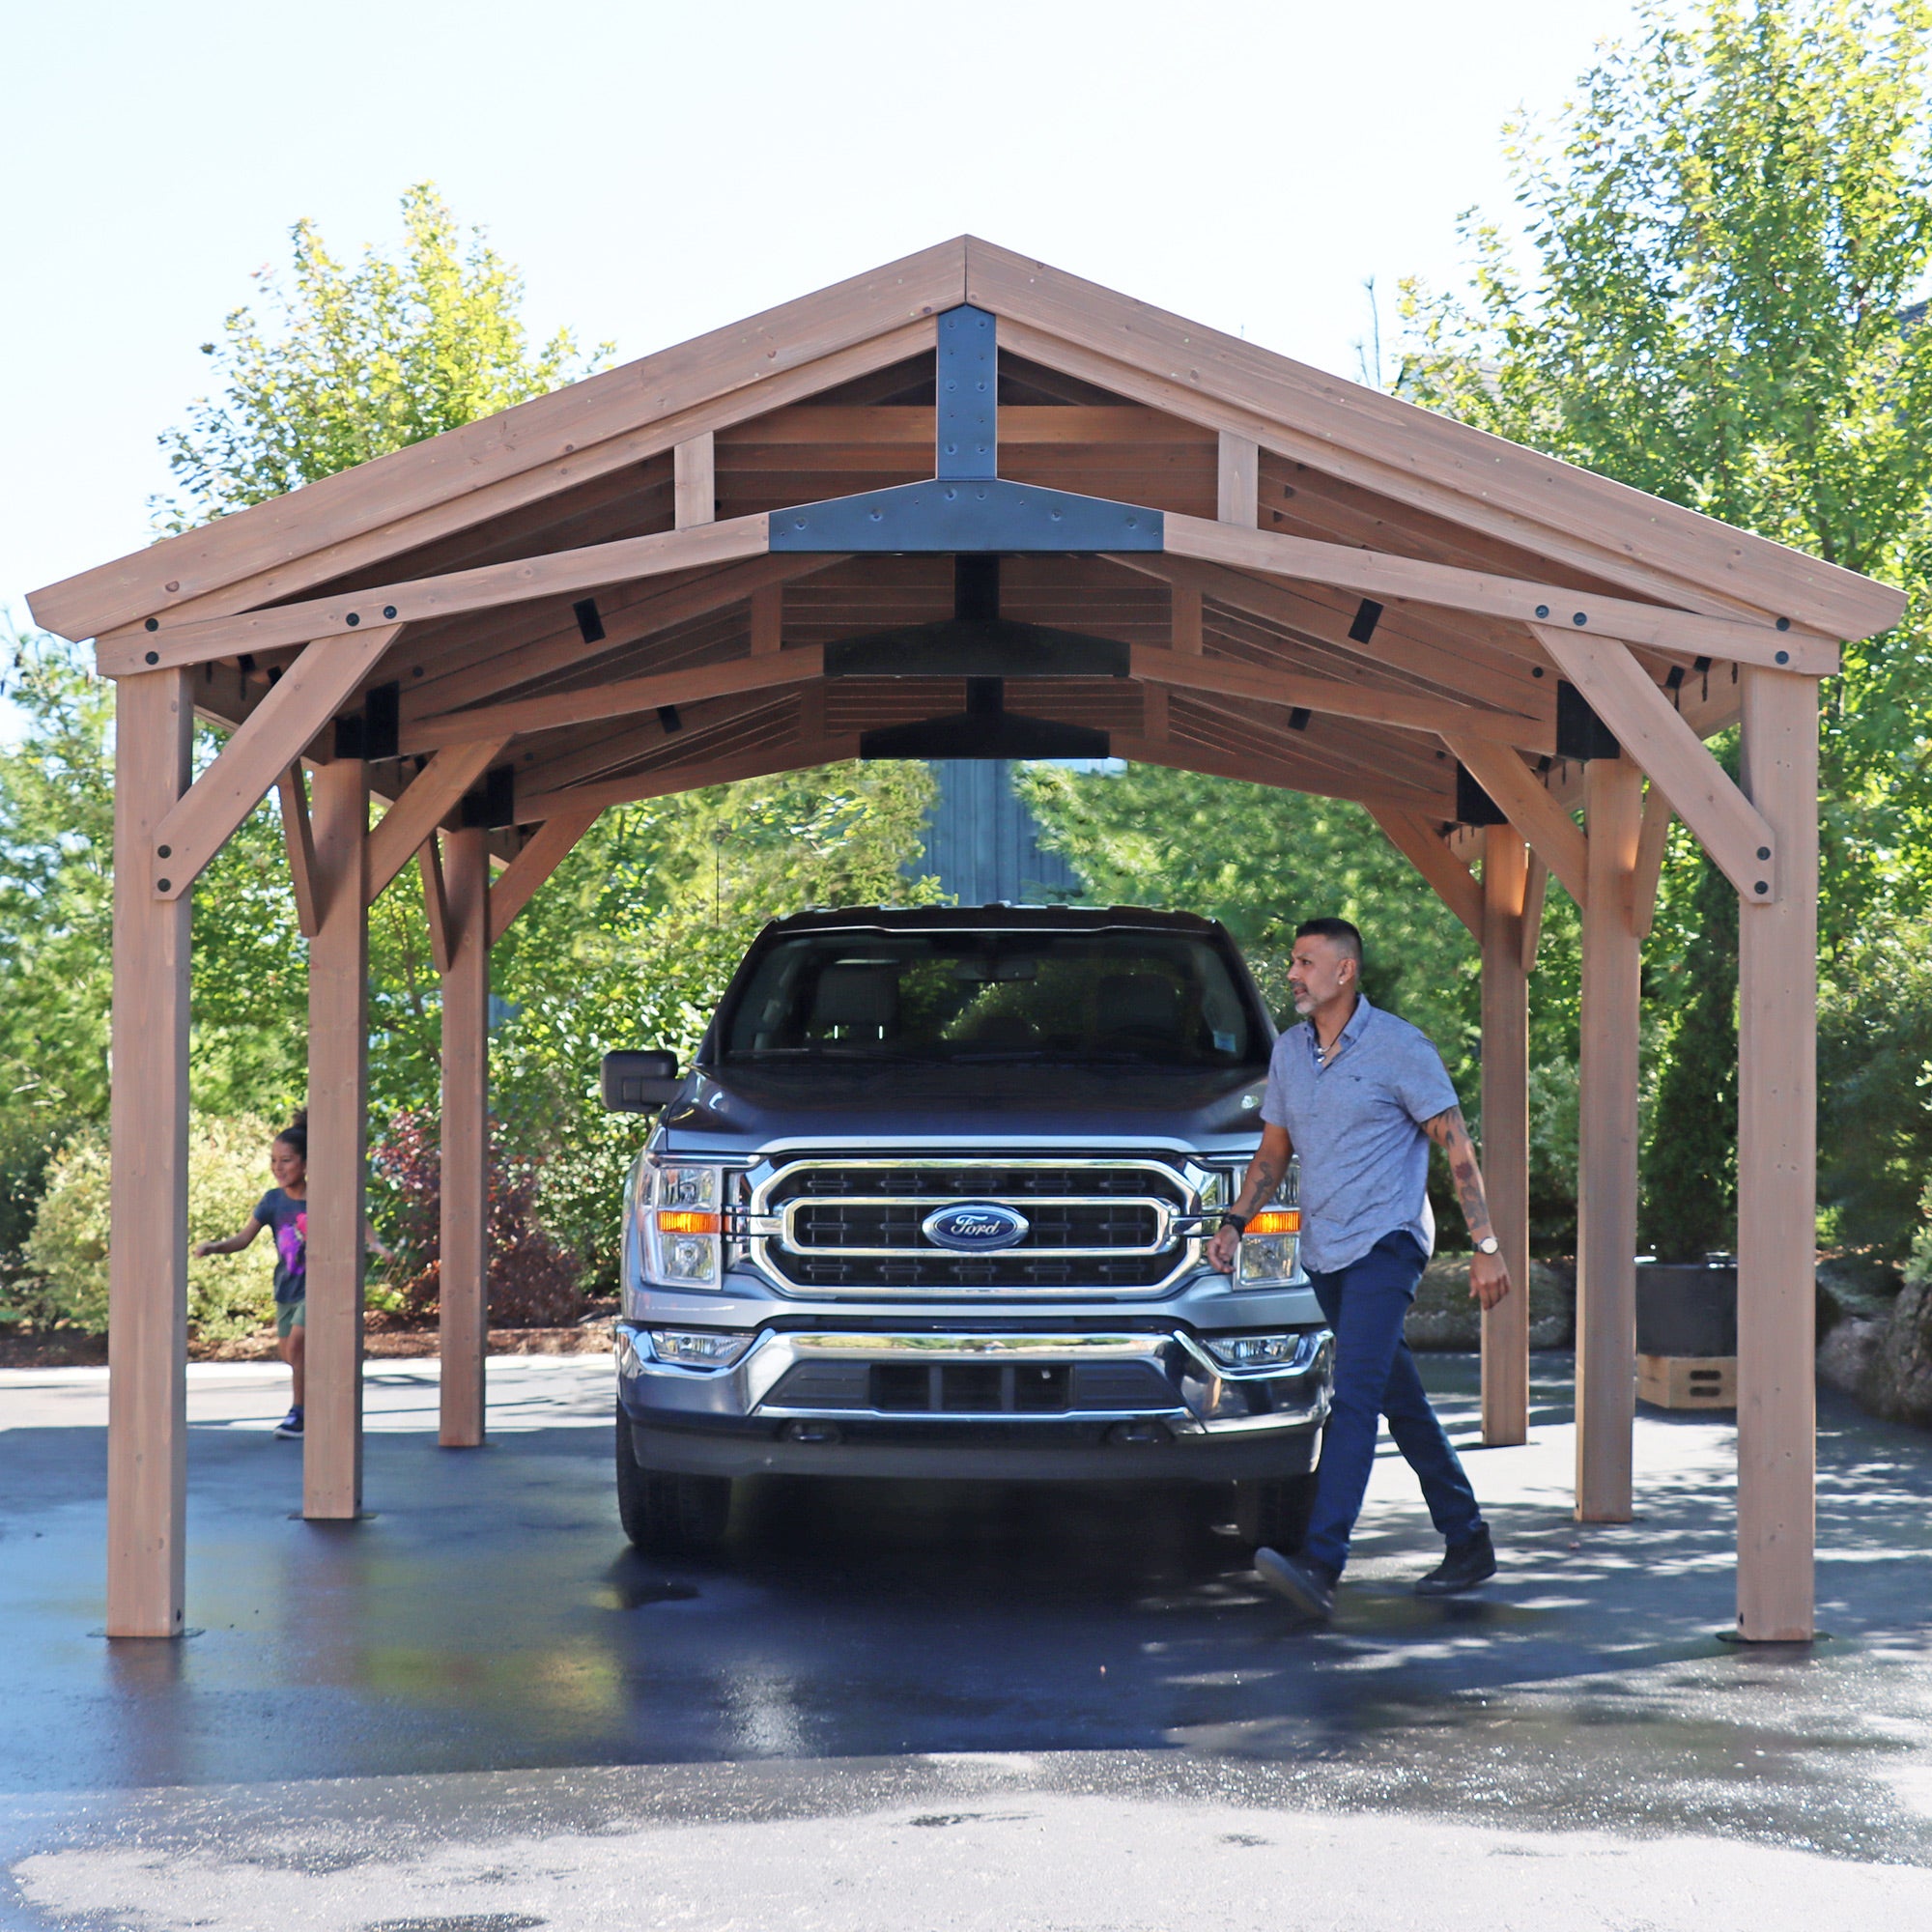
961,997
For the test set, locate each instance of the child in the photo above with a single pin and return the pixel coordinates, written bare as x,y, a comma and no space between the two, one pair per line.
284,1209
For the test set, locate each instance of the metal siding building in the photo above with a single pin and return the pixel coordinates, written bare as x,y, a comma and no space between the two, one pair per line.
984,845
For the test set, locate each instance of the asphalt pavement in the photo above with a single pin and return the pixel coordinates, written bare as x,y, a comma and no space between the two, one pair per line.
886,1705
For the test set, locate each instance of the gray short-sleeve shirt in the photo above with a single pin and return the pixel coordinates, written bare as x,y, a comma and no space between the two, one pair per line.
1356,1124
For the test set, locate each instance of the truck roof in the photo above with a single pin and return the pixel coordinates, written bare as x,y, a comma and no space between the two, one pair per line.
1006,918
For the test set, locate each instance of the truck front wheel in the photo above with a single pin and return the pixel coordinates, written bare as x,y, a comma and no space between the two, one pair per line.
1275,1510
666,1512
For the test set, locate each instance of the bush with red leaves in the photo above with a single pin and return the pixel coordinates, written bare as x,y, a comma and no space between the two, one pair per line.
534,1280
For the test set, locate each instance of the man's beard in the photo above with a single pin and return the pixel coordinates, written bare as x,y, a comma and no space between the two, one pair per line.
1304,1002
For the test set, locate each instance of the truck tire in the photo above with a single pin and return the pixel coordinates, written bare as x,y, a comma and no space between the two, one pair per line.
1274,1511
666,1512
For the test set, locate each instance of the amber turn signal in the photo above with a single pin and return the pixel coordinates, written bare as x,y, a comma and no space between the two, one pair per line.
1275,1221
686,1221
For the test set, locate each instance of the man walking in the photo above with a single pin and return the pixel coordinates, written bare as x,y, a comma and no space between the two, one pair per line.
1359,1094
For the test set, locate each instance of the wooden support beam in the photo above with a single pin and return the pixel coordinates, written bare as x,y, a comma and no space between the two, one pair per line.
488,587
1606,1151
1533,897
1652,840
429,797
696,481
1239,481
147,1248
661,781
1188,753
339,1084
1505,1343
768,621
436,903
1452,881
1187,619
259,749
548,846
593,703
1720,817
1777,1148
464,1269
1516,790
1371,703
1394,579
292,788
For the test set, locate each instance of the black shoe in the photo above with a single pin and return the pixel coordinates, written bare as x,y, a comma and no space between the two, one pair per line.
290,1428
1309,1585
1464,1566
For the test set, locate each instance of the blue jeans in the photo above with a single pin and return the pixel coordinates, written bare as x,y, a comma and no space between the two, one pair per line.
1374,1375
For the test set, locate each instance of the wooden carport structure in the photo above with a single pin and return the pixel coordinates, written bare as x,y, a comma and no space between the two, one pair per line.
853,526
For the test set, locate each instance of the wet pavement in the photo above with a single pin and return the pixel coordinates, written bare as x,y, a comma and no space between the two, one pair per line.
478,1710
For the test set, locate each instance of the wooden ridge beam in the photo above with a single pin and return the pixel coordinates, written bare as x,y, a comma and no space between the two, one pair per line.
1368,703
594,702
1393,578
1551,833
542,852
485,587
1452,881
1728,826
429,798
258,751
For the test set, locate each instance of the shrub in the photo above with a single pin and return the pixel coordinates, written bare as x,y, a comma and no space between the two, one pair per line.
227,1175
534,1280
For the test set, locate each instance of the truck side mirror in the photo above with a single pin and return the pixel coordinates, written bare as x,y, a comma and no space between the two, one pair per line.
638,1082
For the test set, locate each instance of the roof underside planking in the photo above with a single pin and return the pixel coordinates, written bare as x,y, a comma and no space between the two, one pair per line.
589,582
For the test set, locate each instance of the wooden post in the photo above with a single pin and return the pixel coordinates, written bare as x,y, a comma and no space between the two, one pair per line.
465,1270
1777,1139
147,1265
338,1078
1606,1151
1506,1131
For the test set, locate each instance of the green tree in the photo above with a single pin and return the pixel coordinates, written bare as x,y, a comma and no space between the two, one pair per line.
357,362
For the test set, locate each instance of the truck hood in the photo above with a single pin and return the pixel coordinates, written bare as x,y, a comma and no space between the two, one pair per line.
741,1110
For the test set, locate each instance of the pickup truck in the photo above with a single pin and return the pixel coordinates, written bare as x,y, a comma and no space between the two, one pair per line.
933,1202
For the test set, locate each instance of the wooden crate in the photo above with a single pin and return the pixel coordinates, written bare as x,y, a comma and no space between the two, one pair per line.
1687,1382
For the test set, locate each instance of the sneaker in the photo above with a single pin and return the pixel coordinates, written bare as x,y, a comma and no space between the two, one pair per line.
291,1424
1307,1585
1464,1566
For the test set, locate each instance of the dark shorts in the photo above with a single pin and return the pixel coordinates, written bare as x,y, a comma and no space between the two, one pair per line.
290,1314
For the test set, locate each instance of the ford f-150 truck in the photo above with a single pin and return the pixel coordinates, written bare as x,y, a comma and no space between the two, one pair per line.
934,1202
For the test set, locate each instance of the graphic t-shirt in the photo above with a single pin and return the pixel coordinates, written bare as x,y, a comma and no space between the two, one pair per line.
287,1221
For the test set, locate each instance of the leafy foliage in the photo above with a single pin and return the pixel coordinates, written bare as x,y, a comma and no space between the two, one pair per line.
358,362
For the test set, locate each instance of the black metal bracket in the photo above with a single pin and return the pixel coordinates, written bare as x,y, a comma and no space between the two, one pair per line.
1581,735
493,804
1473,804
967,506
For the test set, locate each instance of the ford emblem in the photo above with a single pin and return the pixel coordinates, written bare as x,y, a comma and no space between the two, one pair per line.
974,1227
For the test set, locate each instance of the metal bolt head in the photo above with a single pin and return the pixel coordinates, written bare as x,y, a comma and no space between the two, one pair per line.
352,619
164,851
389,609
1762,885
154,624
153,657
1784,623
1581,617
164,885
1764,851
1542,610
1784,657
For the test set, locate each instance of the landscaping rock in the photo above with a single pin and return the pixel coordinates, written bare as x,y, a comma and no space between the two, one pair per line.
1445,1318
1898,1382
1847,1353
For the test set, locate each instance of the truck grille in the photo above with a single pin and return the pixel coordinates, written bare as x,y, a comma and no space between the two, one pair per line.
856,1225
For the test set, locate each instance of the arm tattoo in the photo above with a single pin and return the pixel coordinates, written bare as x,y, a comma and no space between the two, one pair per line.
1262,1179
1451,1133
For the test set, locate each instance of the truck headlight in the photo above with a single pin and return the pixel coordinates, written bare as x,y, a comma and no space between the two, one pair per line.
681,1225
1270,1246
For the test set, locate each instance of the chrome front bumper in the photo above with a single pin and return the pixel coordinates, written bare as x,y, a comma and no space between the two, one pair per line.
1188,1404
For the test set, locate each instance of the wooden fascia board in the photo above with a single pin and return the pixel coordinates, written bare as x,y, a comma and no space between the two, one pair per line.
1446,876
538,436
661,780
595,702
258,751
1676,760
1547,827
1454,468
1400,579
1370,704
485,588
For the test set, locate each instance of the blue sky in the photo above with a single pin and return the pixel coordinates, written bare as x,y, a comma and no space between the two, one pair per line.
656,170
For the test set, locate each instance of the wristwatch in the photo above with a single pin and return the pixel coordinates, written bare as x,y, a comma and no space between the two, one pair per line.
1488,1245
1238,1222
